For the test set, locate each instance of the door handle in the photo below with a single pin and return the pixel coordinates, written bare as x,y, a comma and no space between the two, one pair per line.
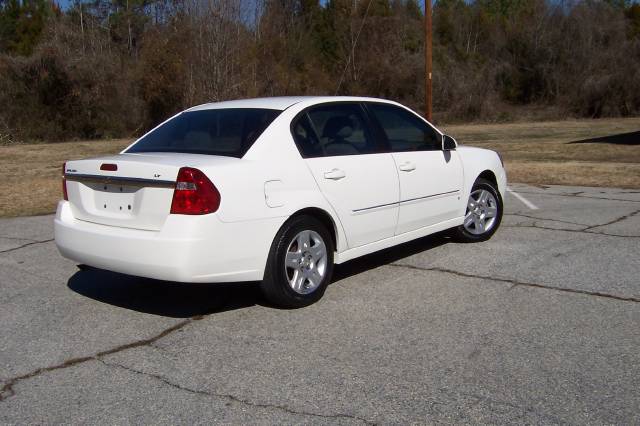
407,167
335,174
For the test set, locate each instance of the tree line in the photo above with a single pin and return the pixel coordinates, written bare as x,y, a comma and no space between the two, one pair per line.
114,68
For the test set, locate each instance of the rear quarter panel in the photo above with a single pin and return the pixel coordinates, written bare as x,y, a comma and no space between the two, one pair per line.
271,181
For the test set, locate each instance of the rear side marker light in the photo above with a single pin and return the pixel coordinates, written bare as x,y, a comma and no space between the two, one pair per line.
109,167
64,182
194,193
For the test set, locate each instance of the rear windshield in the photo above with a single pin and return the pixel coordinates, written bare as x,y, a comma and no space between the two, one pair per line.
228,132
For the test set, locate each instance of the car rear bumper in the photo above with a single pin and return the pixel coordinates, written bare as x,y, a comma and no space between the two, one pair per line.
186,249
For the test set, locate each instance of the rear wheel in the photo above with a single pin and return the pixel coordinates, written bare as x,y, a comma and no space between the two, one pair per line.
300,263
483,214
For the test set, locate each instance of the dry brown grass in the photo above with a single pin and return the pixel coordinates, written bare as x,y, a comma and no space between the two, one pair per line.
30,174
539,153
535,153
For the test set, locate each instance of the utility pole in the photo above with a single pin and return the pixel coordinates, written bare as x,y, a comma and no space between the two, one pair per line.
427,59
81,25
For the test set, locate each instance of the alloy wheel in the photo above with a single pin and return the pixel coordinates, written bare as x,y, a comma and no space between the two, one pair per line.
306,262
482,210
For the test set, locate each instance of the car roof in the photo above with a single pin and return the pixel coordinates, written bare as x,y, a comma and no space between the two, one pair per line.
281,102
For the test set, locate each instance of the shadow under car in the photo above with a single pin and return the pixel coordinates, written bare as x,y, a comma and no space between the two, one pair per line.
184,300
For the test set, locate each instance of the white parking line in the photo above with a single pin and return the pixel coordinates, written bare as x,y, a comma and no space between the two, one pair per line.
524,200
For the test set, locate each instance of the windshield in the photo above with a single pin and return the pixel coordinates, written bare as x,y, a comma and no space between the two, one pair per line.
228,132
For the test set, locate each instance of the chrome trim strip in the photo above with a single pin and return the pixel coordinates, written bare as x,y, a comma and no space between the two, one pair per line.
442,194
367,209
410,200
118,180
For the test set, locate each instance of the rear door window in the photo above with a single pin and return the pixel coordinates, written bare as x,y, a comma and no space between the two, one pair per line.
306,139
333,130
227,132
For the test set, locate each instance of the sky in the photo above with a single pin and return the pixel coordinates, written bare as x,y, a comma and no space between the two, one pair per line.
64,4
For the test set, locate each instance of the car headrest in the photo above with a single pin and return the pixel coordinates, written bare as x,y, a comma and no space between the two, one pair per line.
338,128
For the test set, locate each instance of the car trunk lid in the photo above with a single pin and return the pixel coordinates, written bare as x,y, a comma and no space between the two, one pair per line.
128,190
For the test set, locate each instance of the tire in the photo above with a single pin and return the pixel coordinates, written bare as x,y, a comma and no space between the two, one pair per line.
478,224
300,263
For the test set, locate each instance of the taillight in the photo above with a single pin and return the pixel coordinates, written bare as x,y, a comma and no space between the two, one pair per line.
64,182
194,193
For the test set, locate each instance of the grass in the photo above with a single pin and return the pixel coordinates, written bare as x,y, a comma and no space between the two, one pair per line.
30,174
540,153
535,153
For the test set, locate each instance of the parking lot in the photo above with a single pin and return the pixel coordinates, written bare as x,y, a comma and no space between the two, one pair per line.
541,324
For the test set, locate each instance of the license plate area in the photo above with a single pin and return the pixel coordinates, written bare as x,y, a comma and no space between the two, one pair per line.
114,199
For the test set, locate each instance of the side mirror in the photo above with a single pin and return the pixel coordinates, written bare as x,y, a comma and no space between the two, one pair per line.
448,143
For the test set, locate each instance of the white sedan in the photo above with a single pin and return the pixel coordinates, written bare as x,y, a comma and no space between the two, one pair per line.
276,190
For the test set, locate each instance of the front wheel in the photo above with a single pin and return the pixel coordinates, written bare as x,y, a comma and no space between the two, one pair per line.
483,214
300,263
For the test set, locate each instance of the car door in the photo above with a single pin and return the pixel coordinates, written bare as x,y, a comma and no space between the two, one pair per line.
430,179
358,179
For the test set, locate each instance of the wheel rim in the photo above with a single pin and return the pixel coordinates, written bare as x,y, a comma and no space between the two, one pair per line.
482,211
306,262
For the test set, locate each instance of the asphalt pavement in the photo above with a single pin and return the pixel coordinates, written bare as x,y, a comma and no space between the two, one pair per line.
540,324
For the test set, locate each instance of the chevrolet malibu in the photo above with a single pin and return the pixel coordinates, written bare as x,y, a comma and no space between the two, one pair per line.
276,190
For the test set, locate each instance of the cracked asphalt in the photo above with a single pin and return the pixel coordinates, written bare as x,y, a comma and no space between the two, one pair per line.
541,324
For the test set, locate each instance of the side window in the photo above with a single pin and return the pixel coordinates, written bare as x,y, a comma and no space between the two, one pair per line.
331,130
306,138
405,131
